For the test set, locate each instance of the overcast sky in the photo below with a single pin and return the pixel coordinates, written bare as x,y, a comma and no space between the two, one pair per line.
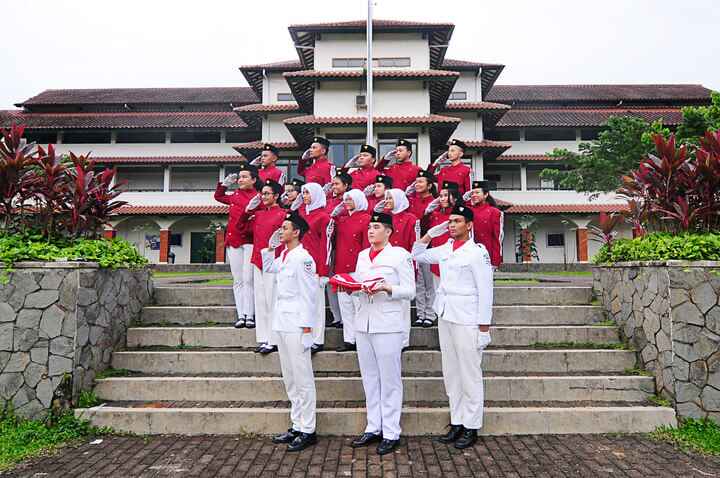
157,43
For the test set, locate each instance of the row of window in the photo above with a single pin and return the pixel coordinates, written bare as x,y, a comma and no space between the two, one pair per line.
543,134
377,62
134,136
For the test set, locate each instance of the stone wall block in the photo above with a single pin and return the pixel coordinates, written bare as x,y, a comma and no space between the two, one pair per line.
51,322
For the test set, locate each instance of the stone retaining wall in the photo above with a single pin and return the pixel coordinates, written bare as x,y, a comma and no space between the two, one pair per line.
670,312
59,324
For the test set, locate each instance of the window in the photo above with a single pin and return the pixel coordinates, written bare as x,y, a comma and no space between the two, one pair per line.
176,240
458,95
240,136
387,142
41,137
549,134
86,137
400,62
140,137
503,134
195,137
342,149
556,239
506,176
348,62
202,178
285,97
141,179
589,134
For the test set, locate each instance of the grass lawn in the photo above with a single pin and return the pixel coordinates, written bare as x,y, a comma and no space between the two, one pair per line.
579,345
218,282
701,436
567,273
516,281
185,274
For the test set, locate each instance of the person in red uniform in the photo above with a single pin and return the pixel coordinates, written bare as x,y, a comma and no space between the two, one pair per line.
382,184
341,183
365,173
238,239
403,172
314,164
456,172
315,242
268,167
265,218
350,239
292,192
488,220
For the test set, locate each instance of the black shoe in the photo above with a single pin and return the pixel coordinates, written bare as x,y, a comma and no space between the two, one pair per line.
452,435
346,347
405,349
268,349
302,441
365,439
240,323
418,323
259,348
387,446
468,439
250,322
286,437
427,323
338,325
330,322
315,348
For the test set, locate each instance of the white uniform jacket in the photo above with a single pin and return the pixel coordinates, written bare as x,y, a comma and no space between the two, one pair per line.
465,293
383,313
296,289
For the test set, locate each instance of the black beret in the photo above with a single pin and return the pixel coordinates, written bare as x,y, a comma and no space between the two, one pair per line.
386,180
274,185
344,177
297,221
486,186
366,148
248,167
271,148
458,143
464,211
426,174
382,218
298,183
450,185
404,142
321,140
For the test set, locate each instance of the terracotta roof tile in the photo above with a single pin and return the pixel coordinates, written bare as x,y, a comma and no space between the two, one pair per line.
276,66
591,93
475,106
171,210
464,64
584,117
254,147
564,208
332,74
166,159
525,157
377,24
264,108
486,144
127,120
350,120
235,95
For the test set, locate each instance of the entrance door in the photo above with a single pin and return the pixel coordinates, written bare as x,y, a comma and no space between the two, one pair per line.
202,248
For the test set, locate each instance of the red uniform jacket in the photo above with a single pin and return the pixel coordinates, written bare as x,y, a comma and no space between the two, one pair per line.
315,239
264,221
238,232
438,216
363,177
317,172
403,230
331,202
372,202
271,172
351,237
488,230
403,174
417,207
459,174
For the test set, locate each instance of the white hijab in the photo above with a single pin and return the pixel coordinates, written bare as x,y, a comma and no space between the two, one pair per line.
400,200
317,196
358,197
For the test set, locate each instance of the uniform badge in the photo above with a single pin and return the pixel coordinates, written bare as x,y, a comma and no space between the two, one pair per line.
308,265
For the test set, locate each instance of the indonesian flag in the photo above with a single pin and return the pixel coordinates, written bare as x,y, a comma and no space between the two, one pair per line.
347,282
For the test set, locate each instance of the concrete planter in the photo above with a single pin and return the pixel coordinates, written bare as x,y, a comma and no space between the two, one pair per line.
59,324
670,311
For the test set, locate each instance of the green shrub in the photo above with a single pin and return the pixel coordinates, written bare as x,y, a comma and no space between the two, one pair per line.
88,399
662,246
696,435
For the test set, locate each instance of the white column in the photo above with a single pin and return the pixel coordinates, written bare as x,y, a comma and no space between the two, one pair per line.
222,135
523,177
113,137
166,179
168,138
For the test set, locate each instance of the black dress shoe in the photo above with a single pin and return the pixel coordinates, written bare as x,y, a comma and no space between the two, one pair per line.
338,325
268,349
427,323
330,322
315,348
346,347
259,348
452,435
468,439
387,446
286,437
365,439
240,323
302,441
250,322
418,323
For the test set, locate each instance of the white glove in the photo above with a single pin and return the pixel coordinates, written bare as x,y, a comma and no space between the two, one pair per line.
380,206
338,209
467,195
434,204
390,158
369,189
327,187
306,340
296,203
330,229
352,163
254,202
256,161
283,198
410,189
483,340
441,159
230,180
274,241
324,281
439,230
306,154
333,170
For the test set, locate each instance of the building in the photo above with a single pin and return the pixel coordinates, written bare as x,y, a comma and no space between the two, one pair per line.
172,145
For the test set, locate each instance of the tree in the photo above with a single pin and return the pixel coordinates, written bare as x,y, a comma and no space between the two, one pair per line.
697,120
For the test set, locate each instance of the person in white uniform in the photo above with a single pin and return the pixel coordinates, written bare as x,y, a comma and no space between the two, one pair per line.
463,303
293,317
379,326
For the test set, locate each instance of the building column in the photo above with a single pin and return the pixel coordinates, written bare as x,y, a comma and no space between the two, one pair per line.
581,238
523,177
526,239
220,245
164,245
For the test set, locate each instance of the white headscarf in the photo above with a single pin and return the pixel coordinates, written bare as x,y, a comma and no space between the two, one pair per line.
358,197
317,196
400,200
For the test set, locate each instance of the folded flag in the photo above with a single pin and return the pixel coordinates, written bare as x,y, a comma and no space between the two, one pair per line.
347,282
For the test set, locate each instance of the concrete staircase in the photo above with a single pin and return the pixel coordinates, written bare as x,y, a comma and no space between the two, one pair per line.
187,371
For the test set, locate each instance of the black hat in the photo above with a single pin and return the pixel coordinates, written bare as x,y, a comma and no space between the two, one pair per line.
297,221
274,185
426,174
486,186
321,140
464,211
404,142
458,143
248,167
382,218
386,180
297,183
450,185
366,148
343,176
271,148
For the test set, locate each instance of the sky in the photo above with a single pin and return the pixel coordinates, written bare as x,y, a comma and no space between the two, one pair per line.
50,44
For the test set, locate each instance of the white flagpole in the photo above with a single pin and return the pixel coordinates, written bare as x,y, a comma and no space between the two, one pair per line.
369,95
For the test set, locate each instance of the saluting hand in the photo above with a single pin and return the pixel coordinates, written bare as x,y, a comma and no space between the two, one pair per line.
439,230
230,180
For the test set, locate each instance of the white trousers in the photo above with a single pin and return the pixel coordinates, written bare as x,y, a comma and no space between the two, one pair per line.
379,356
425,293
242,274
297,374
319,329
407,324
348,308
263,287
334,303
462,373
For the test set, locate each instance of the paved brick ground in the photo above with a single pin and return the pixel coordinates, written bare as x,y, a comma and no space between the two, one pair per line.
520,456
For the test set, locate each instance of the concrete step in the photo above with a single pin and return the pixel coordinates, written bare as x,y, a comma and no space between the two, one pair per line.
428,389
494,361
502,315
504,295
504,336
352,421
